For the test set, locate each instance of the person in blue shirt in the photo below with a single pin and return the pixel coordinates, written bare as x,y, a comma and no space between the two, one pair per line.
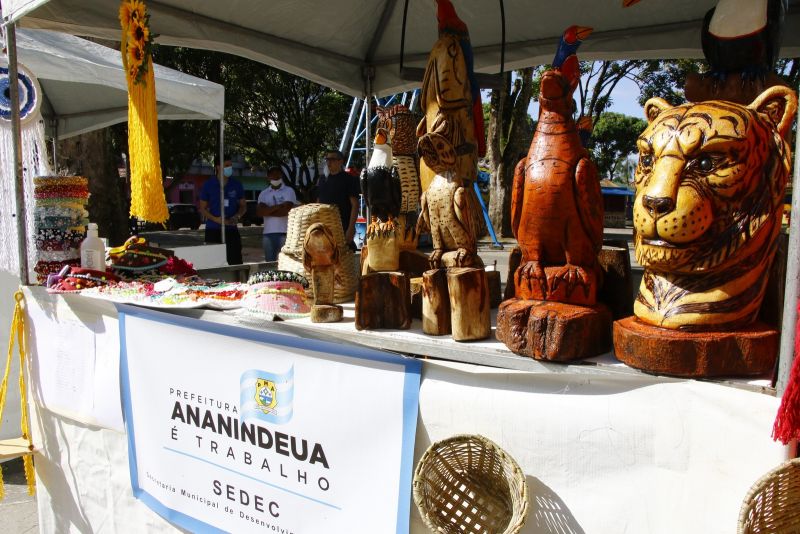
235,207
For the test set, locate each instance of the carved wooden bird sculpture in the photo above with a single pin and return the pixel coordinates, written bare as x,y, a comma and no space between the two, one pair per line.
380,183
566,58
556,205
447,213
451,132
743,36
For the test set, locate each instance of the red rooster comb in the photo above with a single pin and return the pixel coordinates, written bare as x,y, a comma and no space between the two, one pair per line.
447,16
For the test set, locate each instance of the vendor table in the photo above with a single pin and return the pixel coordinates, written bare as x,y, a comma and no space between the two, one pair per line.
605,449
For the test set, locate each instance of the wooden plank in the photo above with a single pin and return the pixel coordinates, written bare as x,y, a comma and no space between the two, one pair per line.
13,448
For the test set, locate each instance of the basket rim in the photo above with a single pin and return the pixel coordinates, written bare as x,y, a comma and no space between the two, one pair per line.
521,500
760,484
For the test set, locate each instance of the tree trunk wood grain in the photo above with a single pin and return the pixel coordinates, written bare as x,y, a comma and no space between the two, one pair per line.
90,155
383,301
435,303
506,140
469,303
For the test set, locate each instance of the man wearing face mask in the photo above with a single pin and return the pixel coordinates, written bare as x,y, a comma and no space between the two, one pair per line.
342,190
234,205
274,204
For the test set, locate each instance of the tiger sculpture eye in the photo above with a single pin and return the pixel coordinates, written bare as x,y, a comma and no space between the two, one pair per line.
708,207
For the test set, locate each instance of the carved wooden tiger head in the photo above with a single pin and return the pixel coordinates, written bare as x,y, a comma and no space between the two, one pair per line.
709,195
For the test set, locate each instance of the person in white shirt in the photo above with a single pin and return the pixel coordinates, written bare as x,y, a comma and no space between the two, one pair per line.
274,204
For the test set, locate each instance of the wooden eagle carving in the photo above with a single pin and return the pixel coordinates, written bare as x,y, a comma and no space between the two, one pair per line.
556,205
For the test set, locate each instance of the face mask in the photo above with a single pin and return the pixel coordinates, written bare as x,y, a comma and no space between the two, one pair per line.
228,172
276,183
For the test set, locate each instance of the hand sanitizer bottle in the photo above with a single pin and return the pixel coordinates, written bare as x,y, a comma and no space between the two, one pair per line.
93,253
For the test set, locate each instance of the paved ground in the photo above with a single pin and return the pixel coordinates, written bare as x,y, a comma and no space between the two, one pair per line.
18,510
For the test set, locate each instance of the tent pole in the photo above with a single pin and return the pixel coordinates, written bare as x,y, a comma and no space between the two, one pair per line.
348,129
369,72
355,133
55,146
788,333
16,156
221,173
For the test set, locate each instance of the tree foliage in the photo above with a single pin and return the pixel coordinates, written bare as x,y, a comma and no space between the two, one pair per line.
613,138
271,117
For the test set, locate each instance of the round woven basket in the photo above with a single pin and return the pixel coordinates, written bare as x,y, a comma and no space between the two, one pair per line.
291,255
466,484
773,502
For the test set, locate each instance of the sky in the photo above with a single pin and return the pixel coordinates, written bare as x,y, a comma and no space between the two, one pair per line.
624,99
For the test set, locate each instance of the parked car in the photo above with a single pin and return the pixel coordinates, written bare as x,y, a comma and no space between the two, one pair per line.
183,216
250,216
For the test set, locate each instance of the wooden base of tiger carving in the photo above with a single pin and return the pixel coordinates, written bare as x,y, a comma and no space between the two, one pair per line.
709,199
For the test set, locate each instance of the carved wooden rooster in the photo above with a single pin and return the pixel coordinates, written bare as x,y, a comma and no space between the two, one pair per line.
556,205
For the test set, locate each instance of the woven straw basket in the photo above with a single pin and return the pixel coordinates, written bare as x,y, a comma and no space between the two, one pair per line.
773,502
291,256
467,484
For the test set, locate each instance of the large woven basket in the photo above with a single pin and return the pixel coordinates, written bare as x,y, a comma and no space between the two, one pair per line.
466,484
291,255
773,502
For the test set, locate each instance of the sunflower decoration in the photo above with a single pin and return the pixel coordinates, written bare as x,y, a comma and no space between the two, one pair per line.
136,39
147,192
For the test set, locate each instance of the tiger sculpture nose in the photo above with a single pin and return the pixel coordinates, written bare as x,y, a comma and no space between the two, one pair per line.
658,206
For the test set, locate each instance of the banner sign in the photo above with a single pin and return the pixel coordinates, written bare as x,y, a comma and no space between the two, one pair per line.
238,430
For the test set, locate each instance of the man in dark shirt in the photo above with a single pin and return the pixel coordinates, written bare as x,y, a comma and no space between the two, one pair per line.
342,190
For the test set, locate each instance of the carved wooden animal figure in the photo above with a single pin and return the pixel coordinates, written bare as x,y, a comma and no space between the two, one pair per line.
556,205
447,214
399,122
451,132
320,259
709,197
380,183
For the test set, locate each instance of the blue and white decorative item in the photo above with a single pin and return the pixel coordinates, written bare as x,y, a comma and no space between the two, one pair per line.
34,161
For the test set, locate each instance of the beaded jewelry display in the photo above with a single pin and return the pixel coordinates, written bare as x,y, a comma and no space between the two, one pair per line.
136,255
59,221
72,279
278,276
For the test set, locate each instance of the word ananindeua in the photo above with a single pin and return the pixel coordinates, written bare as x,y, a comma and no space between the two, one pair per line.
257,435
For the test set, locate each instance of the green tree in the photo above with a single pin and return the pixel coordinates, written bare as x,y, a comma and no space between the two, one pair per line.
614,138
271,117
509,131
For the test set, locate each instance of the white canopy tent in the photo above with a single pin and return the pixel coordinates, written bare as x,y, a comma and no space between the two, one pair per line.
85,89
333,42
361,46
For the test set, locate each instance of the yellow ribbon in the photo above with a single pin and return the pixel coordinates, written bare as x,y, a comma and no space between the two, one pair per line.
18,332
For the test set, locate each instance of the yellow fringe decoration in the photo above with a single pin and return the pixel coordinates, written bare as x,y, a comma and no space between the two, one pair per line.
147,191
18,331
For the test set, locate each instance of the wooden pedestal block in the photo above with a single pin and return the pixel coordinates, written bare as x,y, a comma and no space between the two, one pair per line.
435,303
617,289
469,303
555,331
514,259
495,293
414,262
383,301
748,351
326,313
416,297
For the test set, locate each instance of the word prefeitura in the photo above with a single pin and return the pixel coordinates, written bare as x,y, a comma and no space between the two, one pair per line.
257,435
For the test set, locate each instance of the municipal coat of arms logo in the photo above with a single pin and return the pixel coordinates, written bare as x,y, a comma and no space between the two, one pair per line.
266,395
